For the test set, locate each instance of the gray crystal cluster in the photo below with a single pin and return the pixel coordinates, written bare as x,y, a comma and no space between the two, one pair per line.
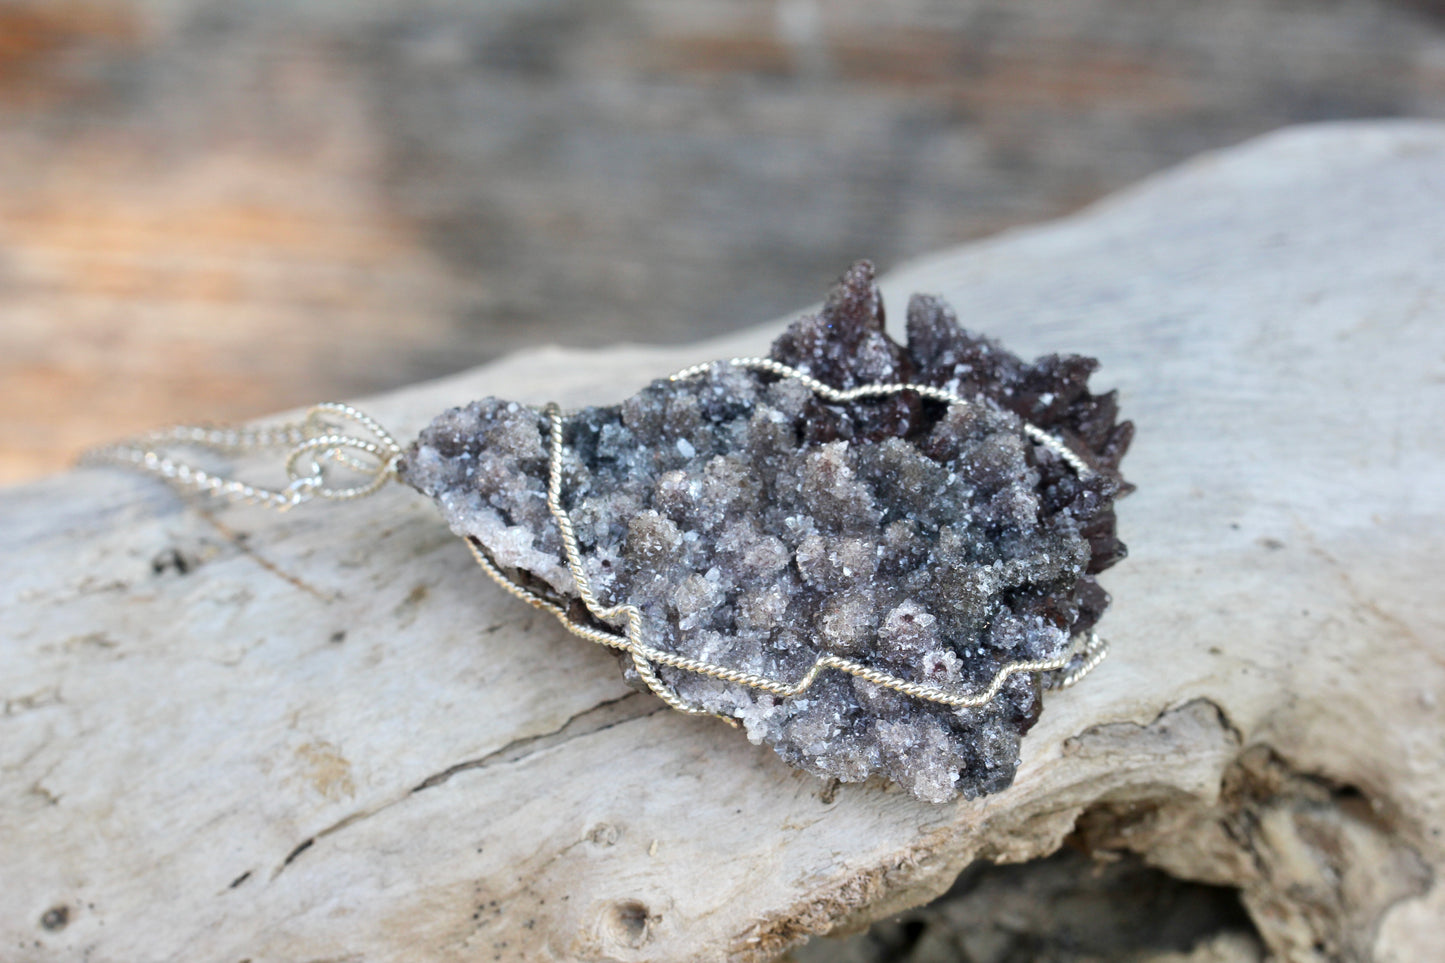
757,526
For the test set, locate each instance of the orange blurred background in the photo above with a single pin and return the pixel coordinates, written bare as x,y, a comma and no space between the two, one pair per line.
213,209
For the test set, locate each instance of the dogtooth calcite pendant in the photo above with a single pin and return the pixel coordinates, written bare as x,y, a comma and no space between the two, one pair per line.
873,557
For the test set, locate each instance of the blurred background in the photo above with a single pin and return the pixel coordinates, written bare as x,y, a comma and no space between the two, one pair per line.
211,209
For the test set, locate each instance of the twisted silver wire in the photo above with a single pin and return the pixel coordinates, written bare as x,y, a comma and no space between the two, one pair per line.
840,395
1090,649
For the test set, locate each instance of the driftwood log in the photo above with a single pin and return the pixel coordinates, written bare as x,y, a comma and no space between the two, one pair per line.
230,735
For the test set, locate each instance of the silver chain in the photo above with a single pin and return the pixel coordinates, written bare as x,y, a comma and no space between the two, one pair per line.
323,444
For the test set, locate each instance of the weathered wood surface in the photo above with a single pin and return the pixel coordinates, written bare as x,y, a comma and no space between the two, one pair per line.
230,735
216,206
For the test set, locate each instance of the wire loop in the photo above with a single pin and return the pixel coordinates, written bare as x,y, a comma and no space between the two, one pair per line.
333,439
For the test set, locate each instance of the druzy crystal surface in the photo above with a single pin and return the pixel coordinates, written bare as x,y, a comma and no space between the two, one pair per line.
758,526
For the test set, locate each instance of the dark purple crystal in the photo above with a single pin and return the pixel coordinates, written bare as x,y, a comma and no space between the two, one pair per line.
758,526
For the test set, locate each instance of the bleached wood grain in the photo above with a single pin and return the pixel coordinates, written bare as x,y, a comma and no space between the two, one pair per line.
229,735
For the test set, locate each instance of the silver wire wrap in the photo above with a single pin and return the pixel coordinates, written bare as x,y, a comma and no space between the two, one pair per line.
319,445
1082,656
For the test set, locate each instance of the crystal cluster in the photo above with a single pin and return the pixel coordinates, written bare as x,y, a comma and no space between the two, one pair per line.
758,526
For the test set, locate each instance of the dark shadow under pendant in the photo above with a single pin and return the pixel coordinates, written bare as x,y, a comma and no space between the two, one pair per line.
873,557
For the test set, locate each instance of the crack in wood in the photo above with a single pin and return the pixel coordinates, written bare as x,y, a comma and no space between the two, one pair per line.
239,543
602,716
596,718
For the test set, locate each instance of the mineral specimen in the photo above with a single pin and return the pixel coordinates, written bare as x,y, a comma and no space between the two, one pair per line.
757,525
